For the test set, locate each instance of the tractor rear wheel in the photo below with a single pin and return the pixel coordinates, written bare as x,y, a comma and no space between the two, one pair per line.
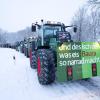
45,66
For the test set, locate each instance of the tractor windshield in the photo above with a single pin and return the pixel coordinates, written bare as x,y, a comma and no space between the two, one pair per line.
51,30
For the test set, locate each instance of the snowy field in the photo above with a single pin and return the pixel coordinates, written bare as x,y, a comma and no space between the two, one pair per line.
19,82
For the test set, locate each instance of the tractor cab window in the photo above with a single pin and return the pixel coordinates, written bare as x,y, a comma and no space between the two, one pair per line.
51,30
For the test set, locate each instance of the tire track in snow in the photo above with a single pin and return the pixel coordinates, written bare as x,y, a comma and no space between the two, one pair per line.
73,90
93,88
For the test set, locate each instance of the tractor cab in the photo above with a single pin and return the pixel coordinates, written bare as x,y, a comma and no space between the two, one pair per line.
52,33
32,42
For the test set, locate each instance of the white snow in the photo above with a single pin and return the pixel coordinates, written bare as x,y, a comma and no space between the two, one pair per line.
19,82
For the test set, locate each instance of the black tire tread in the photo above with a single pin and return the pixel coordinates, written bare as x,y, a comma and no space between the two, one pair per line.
34,60
47,66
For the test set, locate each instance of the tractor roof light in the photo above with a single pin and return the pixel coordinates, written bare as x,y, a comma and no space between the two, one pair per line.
53,22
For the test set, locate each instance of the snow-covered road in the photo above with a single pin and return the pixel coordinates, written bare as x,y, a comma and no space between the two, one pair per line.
19,82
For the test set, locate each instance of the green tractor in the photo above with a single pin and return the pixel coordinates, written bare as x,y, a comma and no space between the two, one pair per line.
56,56
32,42
45,55
22,46
26,48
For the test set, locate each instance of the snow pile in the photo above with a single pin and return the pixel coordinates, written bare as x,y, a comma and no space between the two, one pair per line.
19,82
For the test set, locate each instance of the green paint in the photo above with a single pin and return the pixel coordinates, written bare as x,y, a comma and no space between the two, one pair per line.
77,72
80,56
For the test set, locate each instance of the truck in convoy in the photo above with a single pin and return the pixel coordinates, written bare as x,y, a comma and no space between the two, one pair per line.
56,57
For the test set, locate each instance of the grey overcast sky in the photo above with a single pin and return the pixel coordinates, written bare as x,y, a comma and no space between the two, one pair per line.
18,14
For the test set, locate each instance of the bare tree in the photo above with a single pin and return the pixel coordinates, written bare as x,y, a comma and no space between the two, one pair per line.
79,21
95,17
94,4
88,21
94,1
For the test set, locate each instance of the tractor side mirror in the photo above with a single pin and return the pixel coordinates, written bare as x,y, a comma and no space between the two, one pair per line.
33,28
75,29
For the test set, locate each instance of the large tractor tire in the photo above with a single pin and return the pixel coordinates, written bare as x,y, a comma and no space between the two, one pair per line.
46,66
34,60
31,58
